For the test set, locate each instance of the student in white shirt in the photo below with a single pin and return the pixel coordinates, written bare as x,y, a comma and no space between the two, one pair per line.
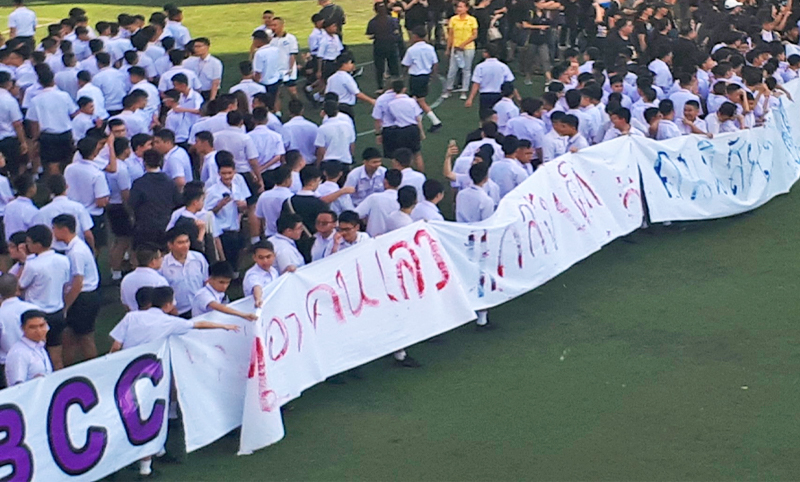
690,123
505,108
207,68
61,204
488,78
336,139
43,280
87,89
287,256
407,200
22,23
227,199
401,160
269,145
686,92
260,274
176,57
212,296
724,120
568,127
368,177
85,119
177,163
148,261
88,185
21,213
507,173
344,85
82,297
50,116
347,234
267,62
247,85
473,205
325,228
427,209
621,125
587,124
422,62
13,143
28,359
300,133
661,67
184,269
138,80
406,131
377,207
270,202
660,120
111,82
11,310
529,125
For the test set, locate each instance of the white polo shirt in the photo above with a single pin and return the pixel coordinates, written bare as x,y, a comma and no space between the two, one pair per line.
508,174
24,20
11,311
254,276
207,70
506,110
286,253
235,141
269,206
141,327
344,85
165,83
227,218
135,122
27,360
377,208
364,184
426,211
9,113
415,179
527,127
330,46
249,87
91,91
288,46
53,110
19,216
336,136
86,184
64,205
113,84
300,133
185,278
267,63
177,164
43,280
138,278
420,58
205,297
404,111
490,75
82,263
473,205
380,111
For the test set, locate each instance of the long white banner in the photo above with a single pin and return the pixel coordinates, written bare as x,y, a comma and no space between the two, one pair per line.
348,309
87,421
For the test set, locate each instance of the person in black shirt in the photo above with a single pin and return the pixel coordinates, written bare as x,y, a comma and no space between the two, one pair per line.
153,197
385,32
308,206
332,13
536,52
620,42
685,50
416,13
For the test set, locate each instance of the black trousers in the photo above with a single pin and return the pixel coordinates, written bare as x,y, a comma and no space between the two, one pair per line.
56,148
385,53
231,246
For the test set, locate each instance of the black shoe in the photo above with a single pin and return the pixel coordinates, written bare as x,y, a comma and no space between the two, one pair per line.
487,327
407,362
435,128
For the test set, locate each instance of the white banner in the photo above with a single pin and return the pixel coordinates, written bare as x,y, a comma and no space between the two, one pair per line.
87,421
366,302
694,177
566,211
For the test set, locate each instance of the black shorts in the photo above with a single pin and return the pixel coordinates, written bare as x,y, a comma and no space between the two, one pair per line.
488,100
56,148
56,323
82,314
290,82
252,184
418,85
99,231
274,88
396,137
120,220
14,160
328,68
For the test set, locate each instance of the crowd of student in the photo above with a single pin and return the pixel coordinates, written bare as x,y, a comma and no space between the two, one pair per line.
126,127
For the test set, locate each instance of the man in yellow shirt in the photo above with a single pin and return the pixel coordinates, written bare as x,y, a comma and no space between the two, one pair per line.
462,30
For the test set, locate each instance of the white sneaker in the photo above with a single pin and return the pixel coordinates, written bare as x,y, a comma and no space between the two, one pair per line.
463,96
445,95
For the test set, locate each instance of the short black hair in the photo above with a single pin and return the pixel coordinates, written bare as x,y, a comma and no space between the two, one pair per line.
220,269
40,234
308,174
394,177
478,172
403,156
65,221
371,153
288,221
162,296
144,296
407,196
146,253
350,217
31,314
432,188
263,244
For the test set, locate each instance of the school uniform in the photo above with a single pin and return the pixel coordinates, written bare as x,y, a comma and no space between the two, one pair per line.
343,244
177,164
405,113
43,281
300,133
377,208
380,112
330,46
24,21
165,81
82,314
52,109
153,99
255,276
81,123
27,360
288,46
336,136
139,278
364,184
527,127
507,174
9,143
415,179
267,63
427,211
186,278
577,142
490,76
227,218
11,310
87,183
320,246
714,125
64,205
679,99
66,79
112,83
269,206
141,327
506,110
117,214
208,70
19,215
135,122
420,59
179,32
553,145
613,133
662,74
686,130
473,205
667,130
267,144
241,145
345,86
286,253
250,87
93,92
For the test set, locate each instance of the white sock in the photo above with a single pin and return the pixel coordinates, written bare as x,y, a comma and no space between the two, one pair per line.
400,355
432,116
483,317
146,467
254,239
116,275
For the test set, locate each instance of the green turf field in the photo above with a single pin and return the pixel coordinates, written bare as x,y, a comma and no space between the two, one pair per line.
674,357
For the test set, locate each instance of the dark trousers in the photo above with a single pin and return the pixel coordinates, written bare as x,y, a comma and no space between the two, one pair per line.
14,160
56,148
231,245
383,54
488,100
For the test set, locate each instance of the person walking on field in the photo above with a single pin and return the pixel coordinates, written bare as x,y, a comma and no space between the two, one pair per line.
462,30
